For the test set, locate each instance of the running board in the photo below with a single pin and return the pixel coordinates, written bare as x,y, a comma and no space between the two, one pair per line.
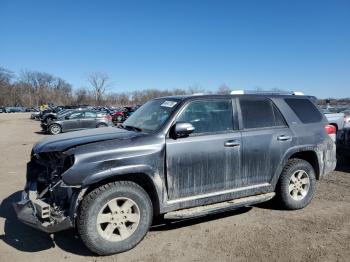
218,207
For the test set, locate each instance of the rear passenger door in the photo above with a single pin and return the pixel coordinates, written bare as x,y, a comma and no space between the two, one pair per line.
265,139
89,120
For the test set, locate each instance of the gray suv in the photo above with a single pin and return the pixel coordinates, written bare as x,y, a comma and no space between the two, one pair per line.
178,157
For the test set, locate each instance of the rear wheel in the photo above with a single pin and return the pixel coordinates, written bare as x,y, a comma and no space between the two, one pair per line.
55,129
119,118
101,125
114,217
297,184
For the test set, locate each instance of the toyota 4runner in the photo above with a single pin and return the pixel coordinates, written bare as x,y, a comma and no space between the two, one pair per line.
179,157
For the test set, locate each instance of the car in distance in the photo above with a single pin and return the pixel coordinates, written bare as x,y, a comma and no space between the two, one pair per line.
122,114
180,157
335,119
76,120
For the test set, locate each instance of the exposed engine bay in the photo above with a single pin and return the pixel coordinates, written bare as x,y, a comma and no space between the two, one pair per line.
46,200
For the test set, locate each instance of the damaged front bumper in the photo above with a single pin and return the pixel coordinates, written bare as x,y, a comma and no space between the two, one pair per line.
27,212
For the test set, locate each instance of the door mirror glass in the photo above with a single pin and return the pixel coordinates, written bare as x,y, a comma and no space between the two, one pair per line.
182,129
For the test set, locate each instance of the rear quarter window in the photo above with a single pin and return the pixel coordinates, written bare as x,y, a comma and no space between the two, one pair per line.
260,113
305,110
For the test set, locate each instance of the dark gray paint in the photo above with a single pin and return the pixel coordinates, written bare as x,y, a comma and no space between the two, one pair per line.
195,170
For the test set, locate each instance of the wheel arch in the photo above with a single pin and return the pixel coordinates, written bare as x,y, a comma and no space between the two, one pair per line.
307,153
311,157
141,179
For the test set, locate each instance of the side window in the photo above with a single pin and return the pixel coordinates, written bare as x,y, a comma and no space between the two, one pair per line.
90,115
305,110
209,116
76,115
259,113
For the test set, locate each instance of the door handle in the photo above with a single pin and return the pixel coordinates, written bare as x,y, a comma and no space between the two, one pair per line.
284,138
232,143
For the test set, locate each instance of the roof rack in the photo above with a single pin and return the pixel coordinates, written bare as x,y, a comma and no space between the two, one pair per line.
252,92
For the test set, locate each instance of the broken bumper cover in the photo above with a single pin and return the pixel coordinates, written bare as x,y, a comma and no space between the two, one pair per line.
26,214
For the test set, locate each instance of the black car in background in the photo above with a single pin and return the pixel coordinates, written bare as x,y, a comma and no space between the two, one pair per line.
77,120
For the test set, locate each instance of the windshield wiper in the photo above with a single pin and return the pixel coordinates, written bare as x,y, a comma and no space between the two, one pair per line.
135,128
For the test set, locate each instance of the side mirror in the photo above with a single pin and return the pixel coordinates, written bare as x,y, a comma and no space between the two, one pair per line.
66,117
182,129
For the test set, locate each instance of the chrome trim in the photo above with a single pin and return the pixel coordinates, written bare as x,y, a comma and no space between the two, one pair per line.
227,191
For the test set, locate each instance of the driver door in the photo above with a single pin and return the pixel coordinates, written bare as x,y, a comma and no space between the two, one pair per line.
209,159
73,122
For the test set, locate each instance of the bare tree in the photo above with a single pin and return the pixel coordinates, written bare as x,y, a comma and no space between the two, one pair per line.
99,83
223,90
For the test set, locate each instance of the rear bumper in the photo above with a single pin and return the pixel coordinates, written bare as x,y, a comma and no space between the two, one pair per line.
26,214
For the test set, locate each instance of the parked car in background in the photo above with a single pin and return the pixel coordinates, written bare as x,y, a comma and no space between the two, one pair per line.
343,145
335,119
180,157
14,109
2,110
35,115
77,120
346,118
54,114
120,115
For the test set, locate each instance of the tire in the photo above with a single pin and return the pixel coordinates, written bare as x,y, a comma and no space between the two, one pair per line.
97,202
55,129
293,192
119,118
101,125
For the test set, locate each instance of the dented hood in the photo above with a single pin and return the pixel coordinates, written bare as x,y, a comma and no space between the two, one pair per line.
62,142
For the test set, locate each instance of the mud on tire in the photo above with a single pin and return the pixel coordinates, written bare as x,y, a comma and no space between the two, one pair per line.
296,185
91,229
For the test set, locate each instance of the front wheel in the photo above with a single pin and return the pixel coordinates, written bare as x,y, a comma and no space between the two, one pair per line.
114,217
296,185
55,129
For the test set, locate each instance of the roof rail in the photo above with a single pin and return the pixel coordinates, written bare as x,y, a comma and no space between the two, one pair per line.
252,92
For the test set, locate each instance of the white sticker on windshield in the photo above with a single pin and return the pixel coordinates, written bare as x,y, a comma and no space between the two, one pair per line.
169,103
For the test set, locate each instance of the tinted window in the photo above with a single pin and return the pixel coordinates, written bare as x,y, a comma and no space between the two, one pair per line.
90,115
260,112
305,110
209,116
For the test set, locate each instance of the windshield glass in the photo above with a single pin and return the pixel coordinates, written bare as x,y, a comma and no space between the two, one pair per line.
151,116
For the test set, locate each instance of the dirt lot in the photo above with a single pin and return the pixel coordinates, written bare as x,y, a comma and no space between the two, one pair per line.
320,232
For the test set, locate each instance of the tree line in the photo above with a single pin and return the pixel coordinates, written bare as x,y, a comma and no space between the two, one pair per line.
33,88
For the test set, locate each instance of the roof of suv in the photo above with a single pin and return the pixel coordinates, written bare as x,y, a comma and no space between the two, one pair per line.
188,97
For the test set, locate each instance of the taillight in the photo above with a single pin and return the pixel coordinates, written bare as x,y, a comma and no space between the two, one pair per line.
108,117
331,129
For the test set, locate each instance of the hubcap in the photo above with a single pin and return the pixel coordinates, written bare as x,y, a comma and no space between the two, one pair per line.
55,129
118,219
299,185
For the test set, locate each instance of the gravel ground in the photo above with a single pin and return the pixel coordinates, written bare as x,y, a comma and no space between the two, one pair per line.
320,232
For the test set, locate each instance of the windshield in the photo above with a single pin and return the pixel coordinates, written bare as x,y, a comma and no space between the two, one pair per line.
151,116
